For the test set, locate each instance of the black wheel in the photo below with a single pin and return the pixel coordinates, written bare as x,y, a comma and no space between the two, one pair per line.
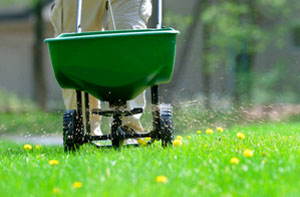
118,135
72,131
166,126
116,142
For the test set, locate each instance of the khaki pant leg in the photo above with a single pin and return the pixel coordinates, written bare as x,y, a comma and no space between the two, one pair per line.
64,21
69,96
131,14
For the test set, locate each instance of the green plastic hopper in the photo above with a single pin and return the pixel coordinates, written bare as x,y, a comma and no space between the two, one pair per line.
113,65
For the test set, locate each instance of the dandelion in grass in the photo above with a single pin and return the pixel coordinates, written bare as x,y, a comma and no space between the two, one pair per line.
189,137
27,147
142,142
56,190
177,142
220,129
77,185
240,135
248,153
161,179
179,137
53,162
148,138
209,131
234,161
263,161
264,154
37,147
199,132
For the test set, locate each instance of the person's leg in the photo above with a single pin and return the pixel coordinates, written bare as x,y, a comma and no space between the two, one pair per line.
131,14
69,97
64,21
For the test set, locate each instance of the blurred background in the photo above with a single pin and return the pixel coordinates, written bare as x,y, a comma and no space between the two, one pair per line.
237,61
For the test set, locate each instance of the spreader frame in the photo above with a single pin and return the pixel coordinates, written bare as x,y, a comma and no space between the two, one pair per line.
117,134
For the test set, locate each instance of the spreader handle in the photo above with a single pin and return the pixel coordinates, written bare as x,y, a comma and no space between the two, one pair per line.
159,14
78,16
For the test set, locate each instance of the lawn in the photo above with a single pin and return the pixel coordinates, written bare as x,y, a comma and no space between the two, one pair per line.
33,122
200,166
186,119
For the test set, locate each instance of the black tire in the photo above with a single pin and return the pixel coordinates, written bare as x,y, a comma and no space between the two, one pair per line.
116,143
72,131
118,136
166,126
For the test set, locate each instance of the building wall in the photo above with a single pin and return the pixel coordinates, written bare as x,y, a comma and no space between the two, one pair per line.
16,44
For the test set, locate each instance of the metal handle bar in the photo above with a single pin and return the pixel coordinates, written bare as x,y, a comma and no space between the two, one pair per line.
159,14
78,16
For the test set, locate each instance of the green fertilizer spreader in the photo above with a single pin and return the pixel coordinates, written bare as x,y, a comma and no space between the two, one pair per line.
114,66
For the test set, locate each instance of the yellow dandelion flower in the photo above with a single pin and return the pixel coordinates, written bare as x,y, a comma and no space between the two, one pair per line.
142,142
264,154
161,179
240,135
234,161
53,162
199,132
56,191
77,185
37,147
179,137
177,142
148,138
263,161
248,153
220,129
189,137
27,147
209,131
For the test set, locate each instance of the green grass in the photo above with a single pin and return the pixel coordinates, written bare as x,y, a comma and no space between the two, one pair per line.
186,119
34,122
199,167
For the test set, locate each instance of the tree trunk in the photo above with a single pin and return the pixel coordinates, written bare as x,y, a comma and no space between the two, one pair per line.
206,74
39,81
241,76
181,67
245,62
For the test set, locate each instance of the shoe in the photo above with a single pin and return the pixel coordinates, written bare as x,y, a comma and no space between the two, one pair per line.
96,132
133,123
